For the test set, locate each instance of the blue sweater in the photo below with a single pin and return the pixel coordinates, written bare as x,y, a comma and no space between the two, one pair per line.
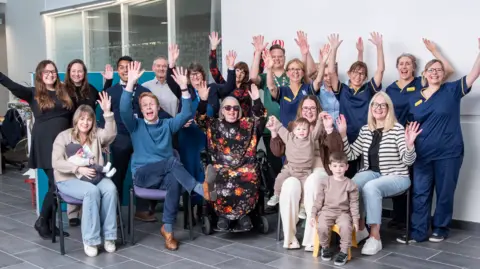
151,142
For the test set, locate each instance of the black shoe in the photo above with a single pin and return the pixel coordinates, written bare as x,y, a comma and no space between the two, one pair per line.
326,254
222,224
403,240
74,222
42,229
341,258
436,238
57,232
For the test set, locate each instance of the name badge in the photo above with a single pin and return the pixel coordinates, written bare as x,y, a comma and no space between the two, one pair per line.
287,99
418,102
135,115
410,89
304,92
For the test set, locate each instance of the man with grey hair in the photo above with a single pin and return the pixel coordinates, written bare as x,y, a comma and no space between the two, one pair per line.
158,86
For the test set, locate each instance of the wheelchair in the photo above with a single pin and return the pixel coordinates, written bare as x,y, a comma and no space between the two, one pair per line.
257,216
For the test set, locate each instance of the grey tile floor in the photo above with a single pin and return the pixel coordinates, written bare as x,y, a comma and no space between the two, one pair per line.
21,248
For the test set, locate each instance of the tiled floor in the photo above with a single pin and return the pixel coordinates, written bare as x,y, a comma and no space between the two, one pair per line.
21,248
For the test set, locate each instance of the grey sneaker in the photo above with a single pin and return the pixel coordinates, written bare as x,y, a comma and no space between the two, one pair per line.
436,238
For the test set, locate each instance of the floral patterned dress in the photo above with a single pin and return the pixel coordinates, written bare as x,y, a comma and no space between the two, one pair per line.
233,148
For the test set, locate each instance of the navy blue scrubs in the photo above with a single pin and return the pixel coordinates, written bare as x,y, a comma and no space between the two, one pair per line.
354,105
289,102
439,149
401,97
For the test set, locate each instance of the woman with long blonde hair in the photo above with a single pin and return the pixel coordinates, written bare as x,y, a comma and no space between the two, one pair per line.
387,149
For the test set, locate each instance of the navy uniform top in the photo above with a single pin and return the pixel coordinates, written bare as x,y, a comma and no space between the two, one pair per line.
354,105
401,97
439,118
289,102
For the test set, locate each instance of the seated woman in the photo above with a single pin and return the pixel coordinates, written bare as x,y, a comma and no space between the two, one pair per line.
387,149
291,192
99,201
232,142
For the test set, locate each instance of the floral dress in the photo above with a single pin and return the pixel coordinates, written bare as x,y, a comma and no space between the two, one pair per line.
233,148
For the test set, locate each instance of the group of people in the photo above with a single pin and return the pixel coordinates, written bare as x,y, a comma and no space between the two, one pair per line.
337,147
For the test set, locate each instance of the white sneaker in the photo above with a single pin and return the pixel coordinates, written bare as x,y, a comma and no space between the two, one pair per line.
309,248
111,173
91,251
361,235
109,246
372,246
273,200
107,167
302,214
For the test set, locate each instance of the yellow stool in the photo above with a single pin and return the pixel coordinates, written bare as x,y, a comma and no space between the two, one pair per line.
336,229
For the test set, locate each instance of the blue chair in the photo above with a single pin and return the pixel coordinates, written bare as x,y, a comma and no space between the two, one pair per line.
60,198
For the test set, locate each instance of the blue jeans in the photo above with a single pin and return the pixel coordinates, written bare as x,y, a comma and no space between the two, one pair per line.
99,208
170,175
373,187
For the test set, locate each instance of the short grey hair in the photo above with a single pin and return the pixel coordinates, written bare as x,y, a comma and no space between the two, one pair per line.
160,58
220,116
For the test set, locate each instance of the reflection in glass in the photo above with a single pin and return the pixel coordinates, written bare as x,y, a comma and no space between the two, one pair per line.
68,44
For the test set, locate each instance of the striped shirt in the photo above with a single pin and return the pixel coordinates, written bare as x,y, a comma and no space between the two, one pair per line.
394,158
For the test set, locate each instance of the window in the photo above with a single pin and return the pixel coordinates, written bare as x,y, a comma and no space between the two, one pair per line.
68,41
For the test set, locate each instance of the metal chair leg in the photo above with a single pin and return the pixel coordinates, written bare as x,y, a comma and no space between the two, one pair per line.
408,217
122,232
279,226
131,223
60,226
190,217
53,218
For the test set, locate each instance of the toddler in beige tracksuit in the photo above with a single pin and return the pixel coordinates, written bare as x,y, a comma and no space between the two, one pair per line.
299,153
336,203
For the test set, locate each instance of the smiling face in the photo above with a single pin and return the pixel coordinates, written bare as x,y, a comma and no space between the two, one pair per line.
301,130
122,70
338,168
357,76
159,67
434,72
278,57
295,71
405,67
379,108
77,73
239,75
309,110
49,75
149,108
230,110
84,123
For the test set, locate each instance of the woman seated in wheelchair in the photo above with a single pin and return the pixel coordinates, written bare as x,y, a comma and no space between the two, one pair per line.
232,144
387,149
100,200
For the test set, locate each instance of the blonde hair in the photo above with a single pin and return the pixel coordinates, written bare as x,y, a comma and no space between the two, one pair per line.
148,94
296,61
240,113
390,119
430,63
81,110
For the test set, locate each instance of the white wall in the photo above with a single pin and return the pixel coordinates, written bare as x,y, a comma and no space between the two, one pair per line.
452,25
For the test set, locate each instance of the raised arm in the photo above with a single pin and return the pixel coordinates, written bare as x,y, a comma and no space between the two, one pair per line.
20,91
430,45
377,40
258,110
352,151
475,72
180,77
267,58
406,145
126,106
173,53
109,132
255,67
302,42
335,42
225,90
360,49
216,74
108,76
201,118
321,68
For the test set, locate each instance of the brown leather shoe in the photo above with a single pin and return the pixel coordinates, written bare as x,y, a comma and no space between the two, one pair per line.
145,216
170,242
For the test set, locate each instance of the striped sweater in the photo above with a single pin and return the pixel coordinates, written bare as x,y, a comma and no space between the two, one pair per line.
393,154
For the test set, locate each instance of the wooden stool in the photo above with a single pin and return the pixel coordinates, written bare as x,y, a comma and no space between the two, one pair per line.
33,191
335,229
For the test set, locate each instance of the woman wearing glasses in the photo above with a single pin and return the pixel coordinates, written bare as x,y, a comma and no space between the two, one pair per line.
439,148
400,92
52,108
355,97
387,149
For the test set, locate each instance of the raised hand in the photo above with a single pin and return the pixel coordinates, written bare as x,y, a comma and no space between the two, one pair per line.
360,44
180,77
134,71
334,41
173,53
254,93
411,133
203,91
214,40
108,73
429,44
342,125
376,39
324,51
258,43
231,56
327,119
302,42
105,102
270,125
189,122
267,59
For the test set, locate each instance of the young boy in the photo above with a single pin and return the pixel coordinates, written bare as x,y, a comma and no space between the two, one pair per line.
299,153
336,203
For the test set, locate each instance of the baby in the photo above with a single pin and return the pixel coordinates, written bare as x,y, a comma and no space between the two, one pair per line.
336,203
80,156
299,152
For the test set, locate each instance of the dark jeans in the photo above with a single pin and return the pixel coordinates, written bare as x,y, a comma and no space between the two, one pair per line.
46,212
122,150
169,175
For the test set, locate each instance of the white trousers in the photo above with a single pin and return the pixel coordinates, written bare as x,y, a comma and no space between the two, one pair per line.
290,197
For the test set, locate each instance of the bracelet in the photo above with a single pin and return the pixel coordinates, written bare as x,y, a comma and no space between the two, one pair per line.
186,90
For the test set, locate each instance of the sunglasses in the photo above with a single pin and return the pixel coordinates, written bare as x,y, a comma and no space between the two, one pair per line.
235,108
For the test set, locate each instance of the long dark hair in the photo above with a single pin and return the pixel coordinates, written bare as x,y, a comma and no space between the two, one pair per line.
70,85
44,100
245,83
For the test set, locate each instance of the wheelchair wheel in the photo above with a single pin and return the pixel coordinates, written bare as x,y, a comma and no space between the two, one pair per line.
206,225
263,226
